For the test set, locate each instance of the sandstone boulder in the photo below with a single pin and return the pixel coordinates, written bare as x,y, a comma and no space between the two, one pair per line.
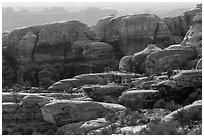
25,47
55,40
94,124
52,41
92,78
70,129
98,50
64,112
199,64
192,64
189,78
140,57
135,99
35,100
130,33
98,92
64,32
170,58
86,79
190,14
195,32
55,44
177,25
64,84
102,26
10,107
194,35
191,112
163,37
65,96
12,39
125,63
9,97
131,130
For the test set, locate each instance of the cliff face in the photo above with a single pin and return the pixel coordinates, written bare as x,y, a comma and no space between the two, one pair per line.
132,33
69,44
128,34
194,35
184,55
64,49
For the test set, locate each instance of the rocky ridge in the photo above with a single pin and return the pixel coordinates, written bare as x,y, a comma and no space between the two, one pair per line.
109,103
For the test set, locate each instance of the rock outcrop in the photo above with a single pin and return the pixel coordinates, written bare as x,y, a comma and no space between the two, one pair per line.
177,26
169,58
110,102
140,57
189,78
69,44
64,112
25,47
100,92
171,31
191,112
135,99
128,34
131,33
190,14
87,79
125,63
134,63
194,35
82,128
98,50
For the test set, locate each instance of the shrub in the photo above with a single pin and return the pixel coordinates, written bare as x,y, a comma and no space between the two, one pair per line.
17,87
182,117
15,96
109,99
130,118
167,105
158,128
46,82
172,106
160,104
26,85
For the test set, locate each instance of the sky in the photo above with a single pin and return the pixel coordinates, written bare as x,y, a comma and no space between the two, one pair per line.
120,6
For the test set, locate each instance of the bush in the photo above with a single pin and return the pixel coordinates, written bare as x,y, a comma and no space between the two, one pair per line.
183,117
46,82
127,118
109,99
15,96
160,104
17,87
158,128
172,106
167,105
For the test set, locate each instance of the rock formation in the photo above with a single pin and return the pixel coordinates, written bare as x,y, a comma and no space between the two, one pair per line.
174,56
169,58
132,33
69,44
68,99
128,34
